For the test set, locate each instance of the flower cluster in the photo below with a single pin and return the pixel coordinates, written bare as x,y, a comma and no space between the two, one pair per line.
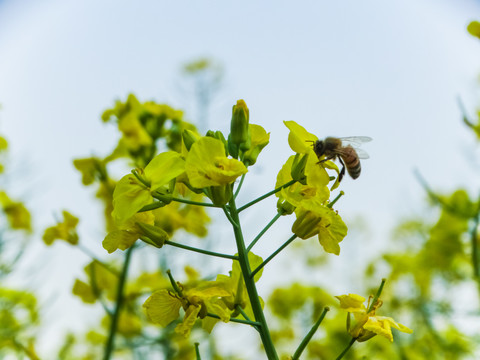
309,196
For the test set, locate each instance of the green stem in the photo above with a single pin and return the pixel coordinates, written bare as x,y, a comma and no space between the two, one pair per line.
309,336
250,285
275,253
240,321
475,262
189,202
474,240
377,295
336,199
97,292
229,217
31,355
291,182
465,116
201,251
239,185
197,351
352,341
241,311
110,345
139,178
174,283
264,230
152,206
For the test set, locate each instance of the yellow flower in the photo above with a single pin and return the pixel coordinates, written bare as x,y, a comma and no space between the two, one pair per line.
299,139
234,284
259,139
17,214
207,164
176,215
367,324
65,230
163,306
313,218
317,179
100,281
131,194
89,167
128,232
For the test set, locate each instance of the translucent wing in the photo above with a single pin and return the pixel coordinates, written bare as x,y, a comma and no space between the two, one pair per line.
355,141
362,154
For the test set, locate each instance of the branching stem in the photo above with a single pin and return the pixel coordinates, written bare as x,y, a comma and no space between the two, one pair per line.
275,253
201,251
264,230
309,335
291,182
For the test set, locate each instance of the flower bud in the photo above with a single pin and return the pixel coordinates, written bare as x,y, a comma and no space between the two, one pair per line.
219,136
220,195
306,224
156,235
298,168
189,138
239,123
232,148
165,198
284,207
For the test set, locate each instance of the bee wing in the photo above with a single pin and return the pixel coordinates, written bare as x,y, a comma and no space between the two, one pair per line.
362,154
355,141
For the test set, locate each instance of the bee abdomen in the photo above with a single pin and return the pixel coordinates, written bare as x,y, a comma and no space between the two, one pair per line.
354,171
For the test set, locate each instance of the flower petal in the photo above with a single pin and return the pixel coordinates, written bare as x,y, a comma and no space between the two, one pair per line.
162,307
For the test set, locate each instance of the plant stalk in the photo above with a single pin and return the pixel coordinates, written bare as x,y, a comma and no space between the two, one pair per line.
250,285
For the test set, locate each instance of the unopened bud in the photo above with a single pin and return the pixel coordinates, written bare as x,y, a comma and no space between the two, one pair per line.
284,207
219,136
189,138
239,123
156,235
306,224
298,167
220,195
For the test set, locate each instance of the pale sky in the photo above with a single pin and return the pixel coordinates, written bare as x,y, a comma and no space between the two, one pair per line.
390,70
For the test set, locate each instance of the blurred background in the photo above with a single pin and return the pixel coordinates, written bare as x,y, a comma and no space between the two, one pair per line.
392,70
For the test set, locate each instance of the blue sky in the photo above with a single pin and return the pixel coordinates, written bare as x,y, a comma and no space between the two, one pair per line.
390,70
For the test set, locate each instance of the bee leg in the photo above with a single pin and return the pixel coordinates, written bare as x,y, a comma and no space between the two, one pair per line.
326,159
342,172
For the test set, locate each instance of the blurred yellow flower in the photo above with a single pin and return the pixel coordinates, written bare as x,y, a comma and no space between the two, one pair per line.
367,323
65,230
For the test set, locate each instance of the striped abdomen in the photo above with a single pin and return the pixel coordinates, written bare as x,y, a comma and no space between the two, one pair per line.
351,160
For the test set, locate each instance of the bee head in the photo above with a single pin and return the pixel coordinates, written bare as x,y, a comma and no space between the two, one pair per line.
319,147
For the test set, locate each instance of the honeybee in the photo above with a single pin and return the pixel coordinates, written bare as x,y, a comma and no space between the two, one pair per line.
348,155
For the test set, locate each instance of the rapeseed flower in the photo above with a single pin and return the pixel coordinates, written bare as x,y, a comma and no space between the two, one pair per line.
367,323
